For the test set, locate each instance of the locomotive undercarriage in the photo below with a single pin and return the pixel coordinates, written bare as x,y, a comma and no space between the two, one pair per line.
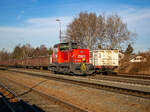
72,68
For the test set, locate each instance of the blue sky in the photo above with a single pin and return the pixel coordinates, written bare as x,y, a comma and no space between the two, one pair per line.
34,21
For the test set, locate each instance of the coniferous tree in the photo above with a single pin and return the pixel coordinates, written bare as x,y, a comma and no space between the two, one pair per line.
129,49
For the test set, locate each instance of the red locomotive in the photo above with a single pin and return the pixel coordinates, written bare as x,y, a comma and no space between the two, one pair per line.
68,58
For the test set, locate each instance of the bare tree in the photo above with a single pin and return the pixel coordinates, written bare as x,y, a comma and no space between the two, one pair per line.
36,52
24,51
117,33
4,55
43,50
83,30
17,53
91,31
27,50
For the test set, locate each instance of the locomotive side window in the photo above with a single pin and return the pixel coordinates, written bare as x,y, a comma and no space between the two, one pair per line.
56,49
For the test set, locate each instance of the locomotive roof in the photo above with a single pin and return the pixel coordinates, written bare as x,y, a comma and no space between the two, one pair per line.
63,43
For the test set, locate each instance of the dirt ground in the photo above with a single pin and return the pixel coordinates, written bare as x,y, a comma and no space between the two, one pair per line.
92,100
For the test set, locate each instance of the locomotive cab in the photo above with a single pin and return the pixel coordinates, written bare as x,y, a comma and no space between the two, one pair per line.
68,58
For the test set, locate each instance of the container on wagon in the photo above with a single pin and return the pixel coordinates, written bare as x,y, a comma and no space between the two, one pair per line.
104,61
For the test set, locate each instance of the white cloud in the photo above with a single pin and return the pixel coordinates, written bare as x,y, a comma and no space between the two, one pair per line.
48,22
36,31
138,21
22,12
20,15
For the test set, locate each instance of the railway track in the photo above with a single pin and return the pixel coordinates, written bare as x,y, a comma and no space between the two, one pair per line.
122,78
137,76
100,76
125,78
9,102
40,101
139,90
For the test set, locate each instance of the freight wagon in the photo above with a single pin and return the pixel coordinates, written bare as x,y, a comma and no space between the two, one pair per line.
104,61
41,62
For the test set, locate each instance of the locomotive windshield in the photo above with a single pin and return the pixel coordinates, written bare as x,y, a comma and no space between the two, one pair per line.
65,46
74,46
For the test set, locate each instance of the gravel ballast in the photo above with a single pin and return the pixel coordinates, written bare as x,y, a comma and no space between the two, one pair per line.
91,99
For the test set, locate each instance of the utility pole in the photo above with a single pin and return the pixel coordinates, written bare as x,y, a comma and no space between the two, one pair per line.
59,21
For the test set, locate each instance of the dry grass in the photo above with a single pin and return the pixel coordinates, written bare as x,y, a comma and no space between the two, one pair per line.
136,68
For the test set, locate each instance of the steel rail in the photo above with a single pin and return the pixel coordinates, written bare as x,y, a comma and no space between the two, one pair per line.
123,79
116,78
5,100
137,76
127,75
54,99
12,108
113,88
